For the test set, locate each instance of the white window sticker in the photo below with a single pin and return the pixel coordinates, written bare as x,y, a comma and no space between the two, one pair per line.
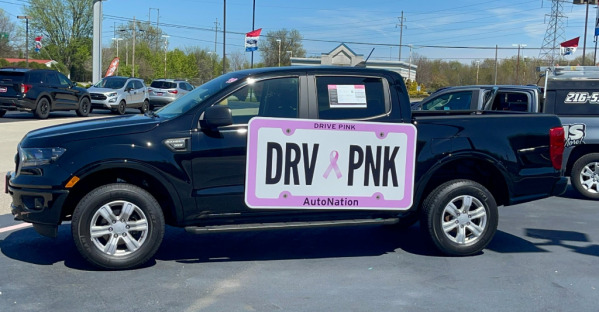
347,96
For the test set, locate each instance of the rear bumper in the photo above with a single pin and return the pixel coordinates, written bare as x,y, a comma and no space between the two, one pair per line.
160,100
16,104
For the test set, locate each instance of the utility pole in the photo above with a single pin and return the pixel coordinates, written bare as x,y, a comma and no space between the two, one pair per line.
279,41
133,52
215,33
401,20
477,68
26,18
519,45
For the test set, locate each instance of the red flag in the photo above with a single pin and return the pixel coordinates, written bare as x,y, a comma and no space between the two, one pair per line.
569,47
112,68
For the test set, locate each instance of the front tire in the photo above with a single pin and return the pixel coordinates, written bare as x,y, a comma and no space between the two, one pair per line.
84,107
460,217
42,110
585,176
122,108
2,112
118,226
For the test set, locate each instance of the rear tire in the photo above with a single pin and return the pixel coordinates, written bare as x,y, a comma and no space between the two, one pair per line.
2,112
460,217
84,107
118,226
42,109
144,107
585,176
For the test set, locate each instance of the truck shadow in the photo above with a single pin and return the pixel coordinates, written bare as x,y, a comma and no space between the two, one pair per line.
179,246
571,193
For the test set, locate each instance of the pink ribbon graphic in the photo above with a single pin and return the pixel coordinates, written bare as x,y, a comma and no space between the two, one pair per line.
333,166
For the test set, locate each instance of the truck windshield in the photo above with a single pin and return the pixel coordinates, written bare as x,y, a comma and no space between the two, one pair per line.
198,95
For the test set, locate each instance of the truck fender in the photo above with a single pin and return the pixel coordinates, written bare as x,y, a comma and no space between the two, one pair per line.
91,169
433,173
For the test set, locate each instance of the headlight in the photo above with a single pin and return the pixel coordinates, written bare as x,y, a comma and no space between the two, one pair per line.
113,94
39,156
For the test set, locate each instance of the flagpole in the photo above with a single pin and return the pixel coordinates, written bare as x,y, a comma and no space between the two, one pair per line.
586,21
253,25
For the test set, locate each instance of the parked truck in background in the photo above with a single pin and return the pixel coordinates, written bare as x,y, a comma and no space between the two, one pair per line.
285,147
569,92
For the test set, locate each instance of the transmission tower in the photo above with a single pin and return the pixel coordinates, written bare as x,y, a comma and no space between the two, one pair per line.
555,33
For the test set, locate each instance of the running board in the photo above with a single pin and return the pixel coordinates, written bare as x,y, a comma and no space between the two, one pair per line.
285,225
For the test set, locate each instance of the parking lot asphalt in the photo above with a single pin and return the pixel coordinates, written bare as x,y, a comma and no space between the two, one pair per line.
13,126
544,257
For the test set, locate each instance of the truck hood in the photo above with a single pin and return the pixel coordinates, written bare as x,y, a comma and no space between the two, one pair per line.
89,129
101,90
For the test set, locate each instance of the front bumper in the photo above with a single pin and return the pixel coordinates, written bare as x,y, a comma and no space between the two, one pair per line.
35,205
105,104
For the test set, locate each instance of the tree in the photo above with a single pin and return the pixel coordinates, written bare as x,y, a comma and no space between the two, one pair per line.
7,31
271,51
66,25
237,61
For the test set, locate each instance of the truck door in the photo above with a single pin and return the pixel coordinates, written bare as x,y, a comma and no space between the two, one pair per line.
219,157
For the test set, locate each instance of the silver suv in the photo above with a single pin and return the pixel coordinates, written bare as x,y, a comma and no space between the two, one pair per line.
164,91
117,93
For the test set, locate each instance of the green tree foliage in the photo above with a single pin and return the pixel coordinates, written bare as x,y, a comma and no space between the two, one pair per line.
271,50
66,25
7,33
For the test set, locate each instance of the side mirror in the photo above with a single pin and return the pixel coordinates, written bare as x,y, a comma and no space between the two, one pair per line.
217,116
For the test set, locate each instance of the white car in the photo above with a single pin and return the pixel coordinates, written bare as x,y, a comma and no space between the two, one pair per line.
118,93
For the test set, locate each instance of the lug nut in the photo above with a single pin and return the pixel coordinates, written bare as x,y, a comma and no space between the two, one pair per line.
109,229
116,235
127,227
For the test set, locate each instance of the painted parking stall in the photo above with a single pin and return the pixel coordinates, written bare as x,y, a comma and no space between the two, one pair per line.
323,164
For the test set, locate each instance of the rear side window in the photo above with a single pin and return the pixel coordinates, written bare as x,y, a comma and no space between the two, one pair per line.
163,85
11,77
36,77
52,79
511,101
138,84
350,97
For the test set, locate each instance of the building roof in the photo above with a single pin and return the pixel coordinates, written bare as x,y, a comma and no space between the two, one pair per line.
16,60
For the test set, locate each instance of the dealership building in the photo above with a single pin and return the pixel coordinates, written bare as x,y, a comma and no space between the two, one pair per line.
342,55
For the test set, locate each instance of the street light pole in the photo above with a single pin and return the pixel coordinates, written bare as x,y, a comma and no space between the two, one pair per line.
279,41
117,52
26,18
165,49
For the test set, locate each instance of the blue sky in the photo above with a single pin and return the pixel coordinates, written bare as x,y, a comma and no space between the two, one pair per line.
431,27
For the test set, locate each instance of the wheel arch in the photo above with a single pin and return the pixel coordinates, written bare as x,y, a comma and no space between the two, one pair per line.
133,173
577,152
479,168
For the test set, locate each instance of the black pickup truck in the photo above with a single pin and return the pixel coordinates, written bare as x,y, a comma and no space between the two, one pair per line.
283,148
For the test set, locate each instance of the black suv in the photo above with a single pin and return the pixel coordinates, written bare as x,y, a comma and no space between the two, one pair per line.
40,91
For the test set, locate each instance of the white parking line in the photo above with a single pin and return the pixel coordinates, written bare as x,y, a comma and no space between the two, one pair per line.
14,227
